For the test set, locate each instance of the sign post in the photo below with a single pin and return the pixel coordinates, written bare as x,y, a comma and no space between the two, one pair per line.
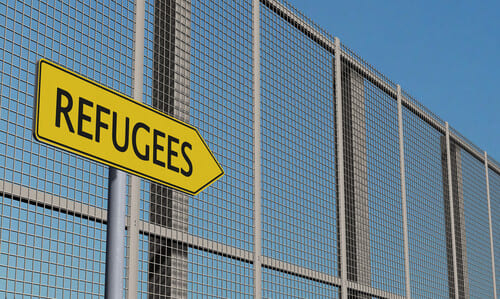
115,243
79,115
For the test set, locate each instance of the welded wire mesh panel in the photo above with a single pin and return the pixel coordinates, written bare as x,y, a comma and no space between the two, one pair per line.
198,69
426,212
49,254
215,276
219,105
89,38
478,278
221,108
283,285
494,178
427,111
356,59
193,275
51,246
476,149
299,221
299,20
374,230
355,294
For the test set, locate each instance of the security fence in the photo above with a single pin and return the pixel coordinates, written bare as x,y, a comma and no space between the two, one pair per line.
338,184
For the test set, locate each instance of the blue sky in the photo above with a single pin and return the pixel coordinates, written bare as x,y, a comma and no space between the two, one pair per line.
446,54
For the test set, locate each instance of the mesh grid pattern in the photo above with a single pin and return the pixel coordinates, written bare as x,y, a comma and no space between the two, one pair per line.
203,274
478,151
48,252
208,86
298,155
407,96
477,233
374,231
214,276
31,31
425,208
220,107
222,110
384,189
281,285
351,54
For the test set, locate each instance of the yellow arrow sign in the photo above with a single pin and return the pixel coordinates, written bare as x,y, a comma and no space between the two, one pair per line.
86,118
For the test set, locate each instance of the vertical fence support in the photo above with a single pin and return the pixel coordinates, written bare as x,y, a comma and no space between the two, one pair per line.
452,212
135,182
491,225
340,167
257,261
403,193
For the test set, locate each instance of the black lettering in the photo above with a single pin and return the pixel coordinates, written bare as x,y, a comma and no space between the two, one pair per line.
156,147
115,142
171,153
136,128
190,165
82,117
64,110
98,123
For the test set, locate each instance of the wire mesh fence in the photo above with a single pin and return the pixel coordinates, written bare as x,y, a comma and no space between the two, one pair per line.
199,68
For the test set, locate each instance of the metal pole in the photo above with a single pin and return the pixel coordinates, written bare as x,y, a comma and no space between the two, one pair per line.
135,182
452,212
256,148
491,226
403,193
115,243
340,167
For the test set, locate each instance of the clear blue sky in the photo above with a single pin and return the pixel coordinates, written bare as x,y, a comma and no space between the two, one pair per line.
446,54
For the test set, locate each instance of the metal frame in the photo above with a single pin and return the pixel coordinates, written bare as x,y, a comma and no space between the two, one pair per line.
134,196
491,224
452,216
257,261
403,194
340,169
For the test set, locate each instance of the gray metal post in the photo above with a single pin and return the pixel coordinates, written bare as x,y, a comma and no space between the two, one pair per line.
135,182
491,225
340,168
256,148
452,213
403,193
115,243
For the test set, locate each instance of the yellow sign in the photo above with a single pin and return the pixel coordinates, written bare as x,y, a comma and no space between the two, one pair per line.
86,118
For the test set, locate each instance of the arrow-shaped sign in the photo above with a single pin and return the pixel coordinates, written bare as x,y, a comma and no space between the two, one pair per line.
86,118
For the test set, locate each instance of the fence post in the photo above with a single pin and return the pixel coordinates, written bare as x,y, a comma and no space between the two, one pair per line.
452,213
491,225
257,261
403,193
135,182
340,167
